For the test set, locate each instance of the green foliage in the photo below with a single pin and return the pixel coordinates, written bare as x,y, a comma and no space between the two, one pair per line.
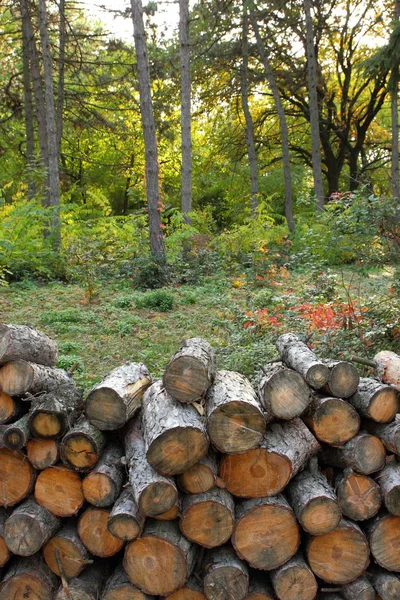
68,315
148,273
161,300
66,361
123,302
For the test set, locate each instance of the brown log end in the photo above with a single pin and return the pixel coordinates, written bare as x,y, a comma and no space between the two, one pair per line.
42,453
8,408
343,379
47,425
207,523
93,531
59,489
236,427
16,477
16,377
333,421
178,449
359,496
196,480
65,557
170,515
99,489
79,451
186,379
385,542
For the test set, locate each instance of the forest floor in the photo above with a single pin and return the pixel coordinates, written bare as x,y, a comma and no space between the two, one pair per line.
347,312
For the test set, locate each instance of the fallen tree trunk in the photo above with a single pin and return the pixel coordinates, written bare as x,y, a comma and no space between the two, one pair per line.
364,453
299,357
116,399
25,343
191,371
19,377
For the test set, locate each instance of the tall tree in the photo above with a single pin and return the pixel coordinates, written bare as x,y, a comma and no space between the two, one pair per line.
52,143
251,146
313,107
28,103
395,116
61,72
282,120
186,123
149,132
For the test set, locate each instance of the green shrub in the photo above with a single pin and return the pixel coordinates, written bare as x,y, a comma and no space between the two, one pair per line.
68,315
66,361
161,300
149,274
123,302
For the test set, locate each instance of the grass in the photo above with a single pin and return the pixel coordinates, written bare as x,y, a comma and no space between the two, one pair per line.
120,325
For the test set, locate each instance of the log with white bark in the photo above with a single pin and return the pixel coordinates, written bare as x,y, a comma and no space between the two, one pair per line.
148,560
226,576
191,371
19,377
25,343
115,400
29,527
174,433
283,392
388,367
299,357
376,401
388,433
387,585
153,493
364,453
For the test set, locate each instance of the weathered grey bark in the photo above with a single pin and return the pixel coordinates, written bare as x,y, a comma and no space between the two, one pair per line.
5,553
283,392
359,496
208,519
388,433
29,527
153,493
332,420
201,477
235,420
387,364
64,553
125,520
294,580
174,433
282,121
191,371
314,503
383,533
25,343
387,585
244,89
375,401
82,446
341,556
389,482
16,435
53,413
88,585
299,357
364,453
52,147
28,578
313,107
360,589
102,486
119,587
149,132
226,576
16,477
115,400
19,377
186,126
148,561
266,533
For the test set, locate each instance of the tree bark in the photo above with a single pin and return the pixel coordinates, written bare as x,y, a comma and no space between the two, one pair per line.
341,556
28,578
294,580
235,420
118,587
283,393
266,533
375,401
62,40
282,122
148,560
92,530
82,446
150,142
208,519
359,496
314,503
53,413
59,489
244,89
29,527
25,343
19,377
125,520
102,486
54,177
88,585
313,107
65,554
115,400
360,589
387,585
174,433
16,435
191,371
186,128
226,576
16,477
299,357
364,453
389,482
388,433
332,420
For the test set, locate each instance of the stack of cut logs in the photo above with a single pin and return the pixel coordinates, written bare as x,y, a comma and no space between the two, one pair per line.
199,486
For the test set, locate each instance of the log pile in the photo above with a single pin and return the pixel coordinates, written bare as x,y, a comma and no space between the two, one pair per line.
199,486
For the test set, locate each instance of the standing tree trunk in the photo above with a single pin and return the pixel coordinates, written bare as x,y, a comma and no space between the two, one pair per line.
61,73
149,132
186,127
395,118
251,147
313,103
28,104
282,122
54,177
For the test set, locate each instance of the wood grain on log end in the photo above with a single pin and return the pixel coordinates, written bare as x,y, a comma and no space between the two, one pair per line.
9,408
201,477
340,556
359,496
59,489
42,453
29,527
208,519
28,579
343,379
16,477
226,576
93,531
283,392
170,515
384,540
332,420
65,554
294,580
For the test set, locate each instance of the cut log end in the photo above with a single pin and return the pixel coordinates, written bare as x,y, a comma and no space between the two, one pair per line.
170,515
63,553
46,425
384,405
186,379
255,473
92,529
209,524
16,377
385,543
42,453
286,395
99,489
7,408
105,409
59,489
5,553
26,586
333,421
236,427
198,479
79,452
178,449
157,499
124,528
321,515
296,582
343,379
186,594
16,477
359,496
318,375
